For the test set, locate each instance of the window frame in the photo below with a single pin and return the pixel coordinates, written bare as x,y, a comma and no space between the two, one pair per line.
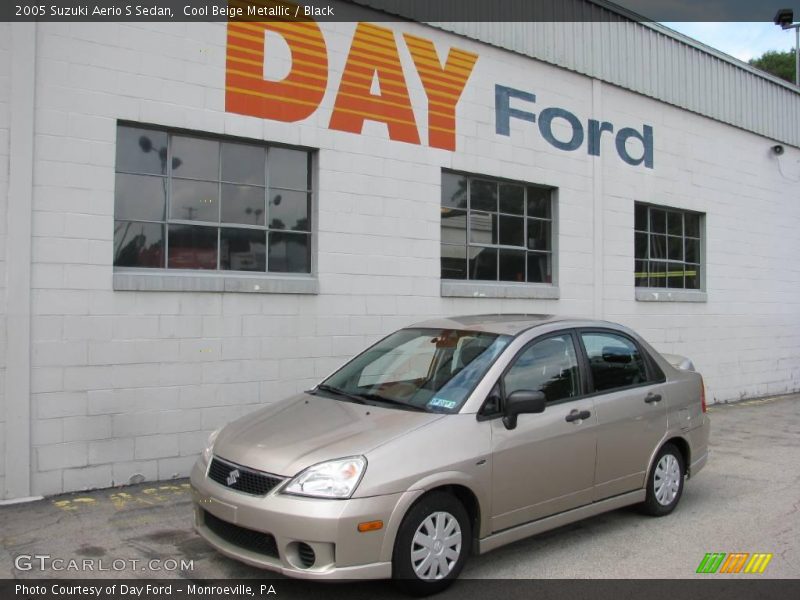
700,262
146,278
653,372
498,247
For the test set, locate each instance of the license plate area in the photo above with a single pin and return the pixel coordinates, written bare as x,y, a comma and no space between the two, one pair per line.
222,510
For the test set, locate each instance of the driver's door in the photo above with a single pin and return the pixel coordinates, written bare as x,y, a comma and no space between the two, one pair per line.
546,464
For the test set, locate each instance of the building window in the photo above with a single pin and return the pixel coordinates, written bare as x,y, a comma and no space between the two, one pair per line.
195,202
667,247
496,230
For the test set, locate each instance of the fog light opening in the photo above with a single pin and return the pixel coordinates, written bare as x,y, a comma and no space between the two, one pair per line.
306,555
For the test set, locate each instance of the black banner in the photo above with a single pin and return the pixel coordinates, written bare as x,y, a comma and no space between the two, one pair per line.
711,587
389,10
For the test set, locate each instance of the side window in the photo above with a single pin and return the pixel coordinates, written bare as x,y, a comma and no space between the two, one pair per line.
549,366
614,360
493,404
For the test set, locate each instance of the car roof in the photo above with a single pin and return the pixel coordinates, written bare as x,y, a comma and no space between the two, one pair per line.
505,324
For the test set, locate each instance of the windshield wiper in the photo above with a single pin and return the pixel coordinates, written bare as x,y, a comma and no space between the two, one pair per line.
363,397
337,392
379,398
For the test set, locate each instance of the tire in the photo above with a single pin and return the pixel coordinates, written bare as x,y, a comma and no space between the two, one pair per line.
665,482
433,568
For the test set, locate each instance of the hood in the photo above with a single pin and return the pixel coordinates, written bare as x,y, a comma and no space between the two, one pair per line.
286,437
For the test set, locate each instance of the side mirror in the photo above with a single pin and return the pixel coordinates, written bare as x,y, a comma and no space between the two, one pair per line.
522,402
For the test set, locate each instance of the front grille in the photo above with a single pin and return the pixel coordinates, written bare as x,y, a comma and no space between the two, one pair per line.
247,539
242,479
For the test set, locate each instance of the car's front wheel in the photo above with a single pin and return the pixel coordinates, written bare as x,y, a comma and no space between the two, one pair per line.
665,483
432,544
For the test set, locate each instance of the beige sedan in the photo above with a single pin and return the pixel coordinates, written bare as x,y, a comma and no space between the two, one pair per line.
451,437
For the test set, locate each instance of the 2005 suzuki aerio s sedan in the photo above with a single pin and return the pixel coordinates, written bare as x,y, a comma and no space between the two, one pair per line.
449,437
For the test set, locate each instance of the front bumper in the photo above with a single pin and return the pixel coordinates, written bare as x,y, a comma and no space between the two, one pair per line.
329,527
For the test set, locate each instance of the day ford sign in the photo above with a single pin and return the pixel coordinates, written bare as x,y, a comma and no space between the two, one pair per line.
373,87
592,134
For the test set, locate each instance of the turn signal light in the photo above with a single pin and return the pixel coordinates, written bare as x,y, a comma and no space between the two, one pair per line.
370,526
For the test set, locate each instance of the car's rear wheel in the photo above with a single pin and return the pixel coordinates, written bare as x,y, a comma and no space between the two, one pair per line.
432,544
665,482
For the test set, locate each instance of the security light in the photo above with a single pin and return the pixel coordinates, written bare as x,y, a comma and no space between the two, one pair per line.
784,17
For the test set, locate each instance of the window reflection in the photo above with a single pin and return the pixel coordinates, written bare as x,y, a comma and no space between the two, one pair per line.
141,151
192,247
454,261
243,163
243,204
194,200
666,247
138,244
289,252
512,265
243,250
288,169
482,228
512,199
289,210
540,268
483,195
199,158
512,231
142,197
539,201
454,190
454,226
483,264
502,230
233,193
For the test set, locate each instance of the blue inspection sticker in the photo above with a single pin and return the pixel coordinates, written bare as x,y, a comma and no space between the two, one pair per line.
442,403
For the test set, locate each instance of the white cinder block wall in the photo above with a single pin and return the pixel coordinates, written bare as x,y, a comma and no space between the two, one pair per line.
130,383
5,93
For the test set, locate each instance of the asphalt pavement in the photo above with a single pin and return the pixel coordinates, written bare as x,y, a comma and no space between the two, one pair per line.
746,499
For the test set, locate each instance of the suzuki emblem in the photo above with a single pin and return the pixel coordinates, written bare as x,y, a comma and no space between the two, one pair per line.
233,477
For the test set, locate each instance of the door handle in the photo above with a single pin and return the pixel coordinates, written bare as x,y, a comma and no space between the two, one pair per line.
577,415
651,397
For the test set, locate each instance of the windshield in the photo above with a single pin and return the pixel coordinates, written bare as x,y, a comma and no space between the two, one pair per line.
423,369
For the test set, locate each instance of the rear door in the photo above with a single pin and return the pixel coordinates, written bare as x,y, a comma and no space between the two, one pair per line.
546,464
630,407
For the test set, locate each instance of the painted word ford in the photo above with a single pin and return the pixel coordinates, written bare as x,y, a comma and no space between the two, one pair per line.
374,58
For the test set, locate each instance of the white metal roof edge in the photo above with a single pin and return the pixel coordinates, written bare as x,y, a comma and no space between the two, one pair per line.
685,39
690,41
642,20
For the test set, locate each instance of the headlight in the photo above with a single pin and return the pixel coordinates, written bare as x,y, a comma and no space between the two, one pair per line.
206,454
333,479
